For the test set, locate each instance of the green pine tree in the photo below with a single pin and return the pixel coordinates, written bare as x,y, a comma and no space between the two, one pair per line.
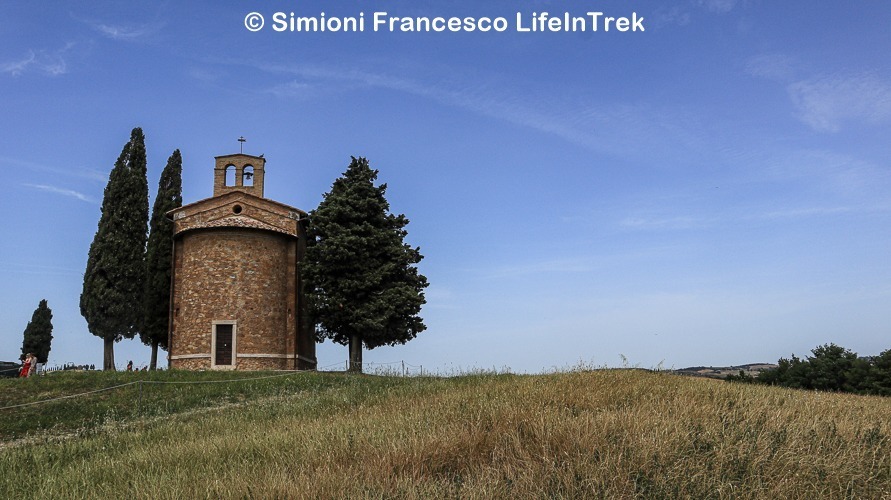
113,280
157,258
39,333
362,284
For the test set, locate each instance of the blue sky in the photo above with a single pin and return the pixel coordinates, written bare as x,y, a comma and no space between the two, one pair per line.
714,190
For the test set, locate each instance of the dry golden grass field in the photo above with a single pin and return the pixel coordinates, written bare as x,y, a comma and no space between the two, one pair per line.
582,434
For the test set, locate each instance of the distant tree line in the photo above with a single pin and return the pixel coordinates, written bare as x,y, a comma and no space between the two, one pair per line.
829,368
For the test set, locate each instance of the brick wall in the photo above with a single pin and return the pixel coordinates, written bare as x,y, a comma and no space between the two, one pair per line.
235,274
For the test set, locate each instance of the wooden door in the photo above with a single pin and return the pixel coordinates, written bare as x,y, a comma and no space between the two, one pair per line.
223,355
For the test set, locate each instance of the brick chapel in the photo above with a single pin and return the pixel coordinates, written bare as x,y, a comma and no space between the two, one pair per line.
236,300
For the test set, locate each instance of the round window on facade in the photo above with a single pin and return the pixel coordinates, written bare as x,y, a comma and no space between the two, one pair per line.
237,209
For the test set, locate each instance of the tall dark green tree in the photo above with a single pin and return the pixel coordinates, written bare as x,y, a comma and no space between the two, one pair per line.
157,258
882,373
830,368
362,284
113,281
39,333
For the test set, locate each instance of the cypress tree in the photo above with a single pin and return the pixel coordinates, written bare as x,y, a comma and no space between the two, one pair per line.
362,284
113,280
157,258
39,333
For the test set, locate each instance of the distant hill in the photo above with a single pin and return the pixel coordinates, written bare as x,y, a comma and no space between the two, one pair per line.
721,372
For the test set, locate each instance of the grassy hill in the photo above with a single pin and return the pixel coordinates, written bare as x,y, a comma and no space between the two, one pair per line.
606,433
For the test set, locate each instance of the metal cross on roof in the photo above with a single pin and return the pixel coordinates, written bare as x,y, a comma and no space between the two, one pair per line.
241,141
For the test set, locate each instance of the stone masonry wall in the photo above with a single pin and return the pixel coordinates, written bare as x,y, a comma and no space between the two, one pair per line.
234,274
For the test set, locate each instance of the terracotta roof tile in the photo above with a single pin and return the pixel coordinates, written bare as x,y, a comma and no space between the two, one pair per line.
241,221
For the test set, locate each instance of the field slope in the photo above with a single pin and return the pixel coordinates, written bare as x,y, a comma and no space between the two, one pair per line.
605,433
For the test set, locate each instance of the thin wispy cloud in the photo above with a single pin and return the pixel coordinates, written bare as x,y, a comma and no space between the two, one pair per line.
128,32
81,172
666,223
809,212
205,75
682,15
668,16
61,191
831,172
826,103
50,63
291,89
554,266
38,269
759,215
776,67
622,129
798,213
718,6
439,297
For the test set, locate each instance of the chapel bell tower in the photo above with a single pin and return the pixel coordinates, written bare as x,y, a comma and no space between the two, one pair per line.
239,172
